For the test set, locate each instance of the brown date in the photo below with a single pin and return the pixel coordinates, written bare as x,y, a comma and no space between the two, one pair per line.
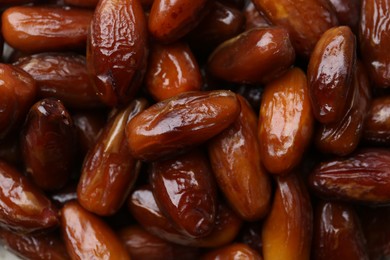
330,73
117,50
305,21
254,18
337,233
377,126
374,34
363,177
62,76
287,230
82,3
233,251
38,29
186,120
24,208
255,56
7,3
48,141
88,237
172,70
64,195
347,12
236,163
285,122
109,171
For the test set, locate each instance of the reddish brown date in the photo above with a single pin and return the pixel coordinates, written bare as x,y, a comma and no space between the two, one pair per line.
254,18
38,29
337,233
109,171
82,3
24,207
305,21
363,177
285,122
48,142
377,125
117,50
255,56
62,76
374,34
185,192
330,73
347,12
233,251
235,159
186,120
88,237
172,70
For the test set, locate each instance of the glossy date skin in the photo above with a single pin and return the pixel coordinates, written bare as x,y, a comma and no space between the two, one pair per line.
33,29
233,251
362,177
183,121
185,191
374,34
109,171
337,233
347,12
24,207
62,76
117,50
88,237
235,158
48,142
330,73
253,17
377,125
285,122
255,56
172,70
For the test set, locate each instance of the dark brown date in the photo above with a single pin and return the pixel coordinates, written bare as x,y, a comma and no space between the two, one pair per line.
377,125
254,18
233,251
347,12
82,3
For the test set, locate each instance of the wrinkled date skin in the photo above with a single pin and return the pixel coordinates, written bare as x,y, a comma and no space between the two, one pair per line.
337,233
347,12
285,122
185,192
88,237
38,29
305,21
24,208
287,230
255,56
186,120
330,73
172,70
233,251
62,76
40,246
169,20
374,34
235,159
48,141
363,177
117,50
17,93
109,171
142,245
377,125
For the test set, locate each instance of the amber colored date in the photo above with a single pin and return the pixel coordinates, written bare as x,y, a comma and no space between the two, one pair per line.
62,76
363,177
255,56
38,29
117,50
172,70
330,73
305,21
235,159
287,230
48,141
233,251
374,40
337,233
24,208
186,120
285,122
98,190
377,125
88,237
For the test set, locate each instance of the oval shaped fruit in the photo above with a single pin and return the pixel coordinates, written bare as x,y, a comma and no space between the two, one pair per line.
233,251
285,122
377,126
186,120
117,50
255,56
